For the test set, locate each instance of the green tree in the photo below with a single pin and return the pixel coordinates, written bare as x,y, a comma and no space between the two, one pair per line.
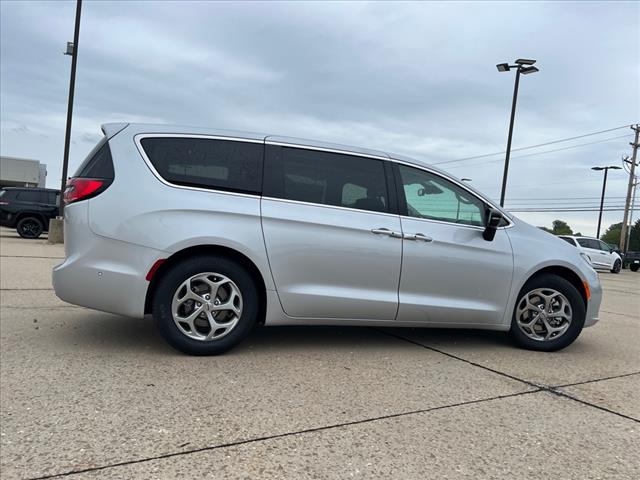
560,227
612,235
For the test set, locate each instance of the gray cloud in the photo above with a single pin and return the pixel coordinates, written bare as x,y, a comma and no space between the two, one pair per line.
415,78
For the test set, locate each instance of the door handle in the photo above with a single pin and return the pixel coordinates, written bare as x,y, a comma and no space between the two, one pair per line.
386,231
418,236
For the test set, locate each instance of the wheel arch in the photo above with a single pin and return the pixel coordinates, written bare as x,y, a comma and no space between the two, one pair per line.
209,249
37,215
563,272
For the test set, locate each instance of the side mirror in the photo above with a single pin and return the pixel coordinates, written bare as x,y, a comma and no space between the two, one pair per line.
494,217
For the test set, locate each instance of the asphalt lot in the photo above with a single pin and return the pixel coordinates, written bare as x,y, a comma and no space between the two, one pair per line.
85,394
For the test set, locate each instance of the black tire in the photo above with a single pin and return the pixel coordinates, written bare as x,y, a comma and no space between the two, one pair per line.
617,266
578,314
171,280
30,227
634,267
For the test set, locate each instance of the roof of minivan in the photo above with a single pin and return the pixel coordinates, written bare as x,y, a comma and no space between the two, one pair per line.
111,129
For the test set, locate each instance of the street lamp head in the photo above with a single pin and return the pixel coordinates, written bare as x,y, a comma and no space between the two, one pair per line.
503,67
612,167
615,168
528,70
525,61
597,168
465,179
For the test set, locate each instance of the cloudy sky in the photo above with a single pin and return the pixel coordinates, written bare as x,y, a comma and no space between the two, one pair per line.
413,78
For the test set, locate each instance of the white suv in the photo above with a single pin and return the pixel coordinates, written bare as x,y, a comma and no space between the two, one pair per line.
599,253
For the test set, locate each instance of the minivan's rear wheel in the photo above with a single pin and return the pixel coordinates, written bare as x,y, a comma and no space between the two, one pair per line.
549,314
205,305
617,266
30,227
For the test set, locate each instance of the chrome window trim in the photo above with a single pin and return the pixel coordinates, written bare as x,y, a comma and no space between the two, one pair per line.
432,220
335,207
328,150
141,136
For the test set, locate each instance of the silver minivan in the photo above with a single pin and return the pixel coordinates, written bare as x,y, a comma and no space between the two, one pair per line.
213,232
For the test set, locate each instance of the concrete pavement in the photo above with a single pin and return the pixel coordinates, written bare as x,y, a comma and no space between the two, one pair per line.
85,394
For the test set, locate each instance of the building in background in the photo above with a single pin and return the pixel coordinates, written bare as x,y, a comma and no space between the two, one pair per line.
22,172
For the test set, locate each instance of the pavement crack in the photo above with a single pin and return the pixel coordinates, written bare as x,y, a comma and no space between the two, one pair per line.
584,402
30,256
442,352
540,387
596,380
23,289
282,435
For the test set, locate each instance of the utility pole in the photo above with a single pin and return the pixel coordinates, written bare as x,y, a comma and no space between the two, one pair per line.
633,202
604,188
623,234
73,51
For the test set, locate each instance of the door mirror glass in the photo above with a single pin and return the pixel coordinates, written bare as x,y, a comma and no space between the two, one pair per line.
494,217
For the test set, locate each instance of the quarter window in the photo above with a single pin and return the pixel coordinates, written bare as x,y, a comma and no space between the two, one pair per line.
201,162
326,178
430,196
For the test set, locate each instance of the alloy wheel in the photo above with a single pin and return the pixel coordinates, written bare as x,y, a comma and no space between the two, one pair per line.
206,306
543,314
30,228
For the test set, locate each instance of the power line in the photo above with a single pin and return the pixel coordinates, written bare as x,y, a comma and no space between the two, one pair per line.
540,153
548,183
532,146
518,210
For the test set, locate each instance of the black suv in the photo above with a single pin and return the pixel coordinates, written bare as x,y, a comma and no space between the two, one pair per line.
28,209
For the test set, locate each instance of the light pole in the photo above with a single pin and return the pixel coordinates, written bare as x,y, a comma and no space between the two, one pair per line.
604,187
522,66
72,49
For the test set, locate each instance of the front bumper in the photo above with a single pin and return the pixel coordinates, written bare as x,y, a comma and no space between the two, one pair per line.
593,305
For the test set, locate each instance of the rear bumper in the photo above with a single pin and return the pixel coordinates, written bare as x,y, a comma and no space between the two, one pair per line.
102,273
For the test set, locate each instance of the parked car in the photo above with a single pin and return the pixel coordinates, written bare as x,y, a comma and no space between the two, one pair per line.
213,232
632,260
600,254
28,210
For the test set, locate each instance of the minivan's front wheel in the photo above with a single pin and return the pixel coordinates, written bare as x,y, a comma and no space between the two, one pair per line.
549,314
30,227
205,305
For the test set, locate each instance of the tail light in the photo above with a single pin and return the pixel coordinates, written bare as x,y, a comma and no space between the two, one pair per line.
84,188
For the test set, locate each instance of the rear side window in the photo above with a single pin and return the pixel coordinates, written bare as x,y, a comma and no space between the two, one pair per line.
35,196
589,243
207,163
326,178
568,240
98,163
52,198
